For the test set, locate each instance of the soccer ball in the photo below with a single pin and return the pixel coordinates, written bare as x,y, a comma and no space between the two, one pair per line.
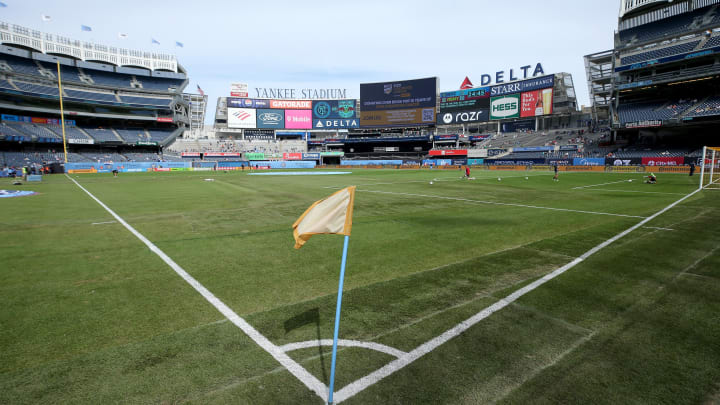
431,183
526,178
499,179
630,180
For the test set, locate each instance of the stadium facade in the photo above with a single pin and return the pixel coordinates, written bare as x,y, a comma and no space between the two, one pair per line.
119,103
659,84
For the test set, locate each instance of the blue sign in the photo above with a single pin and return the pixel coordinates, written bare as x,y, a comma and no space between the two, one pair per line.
516,162
515,126
535,149
271,119
474,138
560,162
324,109
6,117
310,156
15,193
543,82
437,162
247,103
336,123
589,162
475,162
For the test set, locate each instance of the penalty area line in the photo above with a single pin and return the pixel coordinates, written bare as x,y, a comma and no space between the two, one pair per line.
361,384
291,365
603,184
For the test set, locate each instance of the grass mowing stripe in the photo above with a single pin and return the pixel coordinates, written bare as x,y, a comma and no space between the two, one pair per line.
291,365
363,383
499,203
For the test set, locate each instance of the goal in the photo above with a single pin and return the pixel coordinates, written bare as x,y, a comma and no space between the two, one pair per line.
710,168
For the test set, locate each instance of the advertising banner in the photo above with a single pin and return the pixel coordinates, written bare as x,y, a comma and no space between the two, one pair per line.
329,109
516,162
336,123
459,162
464,100
332,154
536,103
475,162
589,162
248,103
146,143
644,124
292,156
663,161
477,153
401,103
81,141
238,90
271,119
298,119
222,154
479,114
505,107
476,138
437,162
449,152
291,104
622,162
254,156
310,156
560,162
370,162
534,149
190,154
538,83
445,137
241,118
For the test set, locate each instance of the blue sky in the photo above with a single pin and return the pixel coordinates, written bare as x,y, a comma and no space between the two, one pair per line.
313,44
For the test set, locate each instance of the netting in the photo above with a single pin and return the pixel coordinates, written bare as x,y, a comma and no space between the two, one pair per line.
710,168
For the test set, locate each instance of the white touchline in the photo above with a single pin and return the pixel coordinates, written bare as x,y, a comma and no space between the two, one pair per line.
657,228
345,343
103,223
499,203
359,385
632,191
598,185
291,365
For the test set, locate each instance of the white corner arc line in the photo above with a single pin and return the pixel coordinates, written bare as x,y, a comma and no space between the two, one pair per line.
598,185
291,365
344,343
441,197
359,385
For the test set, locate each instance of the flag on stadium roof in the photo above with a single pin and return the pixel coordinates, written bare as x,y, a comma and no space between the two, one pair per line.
45,17
466,84
154,41
202,93
85,28
332,215
180,44
122,35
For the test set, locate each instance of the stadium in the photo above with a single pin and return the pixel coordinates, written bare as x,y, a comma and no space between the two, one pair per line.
485,241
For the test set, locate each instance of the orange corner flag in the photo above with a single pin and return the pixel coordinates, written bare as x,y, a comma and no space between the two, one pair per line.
332,215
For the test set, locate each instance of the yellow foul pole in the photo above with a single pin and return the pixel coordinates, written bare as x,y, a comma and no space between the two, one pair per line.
62,111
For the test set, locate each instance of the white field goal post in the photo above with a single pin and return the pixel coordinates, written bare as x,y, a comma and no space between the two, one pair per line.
710,168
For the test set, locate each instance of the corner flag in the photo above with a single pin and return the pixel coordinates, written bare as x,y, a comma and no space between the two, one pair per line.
332,215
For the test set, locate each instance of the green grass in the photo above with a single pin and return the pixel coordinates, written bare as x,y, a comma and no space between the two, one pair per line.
88,314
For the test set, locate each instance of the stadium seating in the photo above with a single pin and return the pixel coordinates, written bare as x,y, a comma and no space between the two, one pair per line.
103,135
709,107
32,130
712,42
37,89
90,95
659,53
670,26
656,110
70,132
155,102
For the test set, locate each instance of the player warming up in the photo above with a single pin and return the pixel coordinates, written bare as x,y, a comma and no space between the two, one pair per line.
556,178
467,172
651,179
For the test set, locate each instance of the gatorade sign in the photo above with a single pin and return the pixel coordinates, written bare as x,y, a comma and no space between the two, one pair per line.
505,107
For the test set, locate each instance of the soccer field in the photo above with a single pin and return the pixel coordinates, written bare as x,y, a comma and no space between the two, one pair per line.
460,291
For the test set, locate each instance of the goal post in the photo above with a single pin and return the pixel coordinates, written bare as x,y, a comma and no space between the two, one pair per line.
710,168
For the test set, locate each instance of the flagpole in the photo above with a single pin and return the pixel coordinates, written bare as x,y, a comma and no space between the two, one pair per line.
337,320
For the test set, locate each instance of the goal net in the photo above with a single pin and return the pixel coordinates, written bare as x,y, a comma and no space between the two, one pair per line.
710,168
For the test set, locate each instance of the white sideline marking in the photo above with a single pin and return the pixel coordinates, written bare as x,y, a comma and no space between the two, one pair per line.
657,228
291,365
499,203
103,223
346,343
631,191
603,184
359,385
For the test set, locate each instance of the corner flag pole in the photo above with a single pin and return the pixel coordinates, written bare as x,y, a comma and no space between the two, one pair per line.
62,111
337,320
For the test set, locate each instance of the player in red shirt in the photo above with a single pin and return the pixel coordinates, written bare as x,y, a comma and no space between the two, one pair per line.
467,172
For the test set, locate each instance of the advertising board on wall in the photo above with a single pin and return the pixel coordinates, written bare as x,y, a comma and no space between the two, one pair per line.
464,100
247,103
328,109
298,119
292,104
271,119
589,162
401,103
505,107
336,123
449,152
663,161
536,103
461,117
292,156
242,118
538,83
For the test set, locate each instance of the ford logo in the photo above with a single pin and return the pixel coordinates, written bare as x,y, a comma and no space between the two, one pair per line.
271,117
